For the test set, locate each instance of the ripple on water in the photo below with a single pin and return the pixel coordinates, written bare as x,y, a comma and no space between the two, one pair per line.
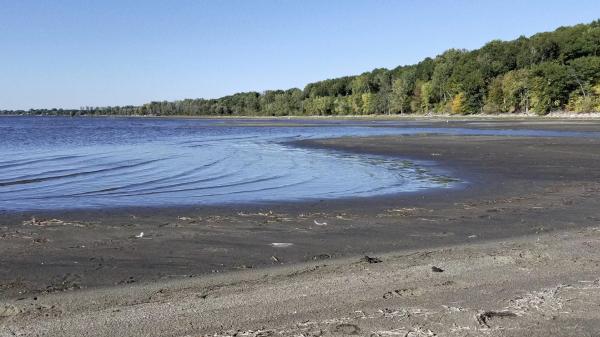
130,162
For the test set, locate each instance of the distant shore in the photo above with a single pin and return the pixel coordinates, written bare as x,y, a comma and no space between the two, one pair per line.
432,116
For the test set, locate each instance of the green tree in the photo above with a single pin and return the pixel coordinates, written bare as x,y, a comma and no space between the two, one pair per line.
368,103
516,91
342,105
495,100
426,95
547,71
550,87
402,90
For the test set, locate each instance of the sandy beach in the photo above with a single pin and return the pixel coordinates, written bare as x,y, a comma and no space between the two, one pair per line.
537,285
515,250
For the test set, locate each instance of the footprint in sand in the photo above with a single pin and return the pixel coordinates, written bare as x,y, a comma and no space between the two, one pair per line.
346,329
7,310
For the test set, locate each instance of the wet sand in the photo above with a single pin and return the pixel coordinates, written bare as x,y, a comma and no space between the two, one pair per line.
518,191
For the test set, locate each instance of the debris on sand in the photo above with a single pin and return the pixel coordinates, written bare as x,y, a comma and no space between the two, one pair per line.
369,259
406,292
405,332
129,280
548,299
275,259
437,269
50,222
420,332
281,244
321,257
483,318
244,266
139,236
64,283
400,212
320,223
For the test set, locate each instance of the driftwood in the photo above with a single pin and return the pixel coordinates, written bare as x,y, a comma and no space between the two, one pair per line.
483,318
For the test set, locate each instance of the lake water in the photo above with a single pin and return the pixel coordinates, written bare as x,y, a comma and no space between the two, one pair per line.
66,163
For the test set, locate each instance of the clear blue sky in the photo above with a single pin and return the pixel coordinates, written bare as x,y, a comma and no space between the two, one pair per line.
74,53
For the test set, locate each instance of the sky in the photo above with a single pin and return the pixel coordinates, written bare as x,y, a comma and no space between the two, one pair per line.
74,53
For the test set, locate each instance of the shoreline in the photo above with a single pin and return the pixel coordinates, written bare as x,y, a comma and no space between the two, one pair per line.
522,190
517,185
557,115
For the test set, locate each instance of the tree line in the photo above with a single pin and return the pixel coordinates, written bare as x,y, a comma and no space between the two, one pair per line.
550,71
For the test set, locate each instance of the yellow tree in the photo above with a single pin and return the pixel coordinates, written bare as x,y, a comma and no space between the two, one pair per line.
426,94
459,104
368,103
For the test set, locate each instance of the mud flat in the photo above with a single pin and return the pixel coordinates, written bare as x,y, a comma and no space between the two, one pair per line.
517,246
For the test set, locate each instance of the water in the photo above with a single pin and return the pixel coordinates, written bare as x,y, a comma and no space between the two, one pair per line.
67,163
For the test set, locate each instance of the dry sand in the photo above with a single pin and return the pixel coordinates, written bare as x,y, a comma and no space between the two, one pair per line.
543,285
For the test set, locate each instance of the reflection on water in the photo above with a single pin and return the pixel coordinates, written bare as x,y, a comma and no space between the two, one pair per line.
59,163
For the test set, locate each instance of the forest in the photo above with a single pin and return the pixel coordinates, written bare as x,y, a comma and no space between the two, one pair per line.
550,71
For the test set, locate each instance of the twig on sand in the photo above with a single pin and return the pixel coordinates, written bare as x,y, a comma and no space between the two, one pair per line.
369,259
320,223
483,318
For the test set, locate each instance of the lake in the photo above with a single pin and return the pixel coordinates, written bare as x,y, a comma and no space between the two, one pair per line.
68,163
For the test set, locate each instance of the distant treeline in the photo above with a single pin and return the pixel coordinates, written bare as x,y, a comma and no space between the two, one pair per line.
549,71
